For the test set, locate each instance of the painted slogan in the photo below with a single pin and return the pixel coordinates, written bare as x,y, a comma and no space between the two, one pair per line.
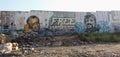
62,23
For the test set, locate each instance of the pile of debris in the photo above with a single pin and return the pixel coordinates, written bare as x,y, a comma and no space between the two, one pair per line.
27,38
33,39
7,47
61,41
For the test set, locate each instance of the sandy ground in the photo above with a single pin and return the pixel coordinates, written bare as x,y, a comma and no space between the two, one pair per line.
90,50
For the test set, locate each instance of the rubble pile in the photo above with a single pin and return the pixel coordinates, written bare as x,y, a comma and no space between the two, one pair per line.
32,38
61,41
27,38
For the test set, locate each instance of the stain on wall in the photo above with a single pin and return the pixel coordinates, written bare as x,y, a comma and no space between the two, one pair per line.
19,19
5,18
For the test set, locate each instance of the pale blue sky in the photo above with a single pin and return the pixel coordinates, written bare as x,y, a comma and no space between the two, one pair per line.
60,5
22,4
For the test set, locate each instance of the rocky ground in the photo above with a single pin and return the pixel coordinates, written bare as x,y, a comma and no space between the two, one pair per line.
71,46
90,50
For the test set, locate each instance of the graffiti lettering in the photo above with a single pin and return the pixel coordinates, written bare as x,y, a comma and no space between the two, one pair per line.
62,23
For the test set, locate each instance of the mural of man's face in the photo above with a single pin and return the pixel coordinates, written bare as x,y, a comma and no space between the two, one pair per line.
90,22
33,23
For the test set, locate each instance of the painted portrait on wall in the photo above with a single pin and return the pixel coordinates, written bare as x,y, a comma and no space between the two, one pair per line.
32,24
90,22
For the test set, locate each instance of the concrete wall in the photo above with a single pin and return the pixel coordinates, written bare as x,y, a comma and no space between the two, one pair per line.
114,21
6,18
20,18
99,21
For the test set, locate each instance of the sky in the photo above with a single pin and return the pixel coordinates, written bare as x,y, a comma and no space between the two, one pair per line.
60,5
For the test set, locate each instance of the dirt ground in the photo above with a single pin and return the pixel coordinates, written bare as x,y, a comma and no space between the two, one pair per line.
90,50
71,46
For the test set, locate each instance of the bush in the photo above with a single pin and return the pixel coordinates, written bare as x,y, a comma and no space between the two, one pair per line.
99,37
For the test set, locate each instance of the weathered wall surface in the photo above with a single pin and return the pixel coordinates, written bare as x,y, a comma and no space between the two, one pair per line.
99,21
6,18
19,19
114,21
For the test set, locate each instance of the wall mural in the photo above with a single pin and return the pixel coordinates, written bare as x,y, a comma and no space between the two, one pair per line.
79,27
62,26
90,23
103,25
33,24
60,22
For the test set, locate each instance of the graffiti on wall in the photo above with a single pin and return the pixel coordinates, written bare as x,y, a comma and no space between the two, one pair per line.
103,25
90,23
32,24
62,26
58,21
79,27
20,22
62,23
